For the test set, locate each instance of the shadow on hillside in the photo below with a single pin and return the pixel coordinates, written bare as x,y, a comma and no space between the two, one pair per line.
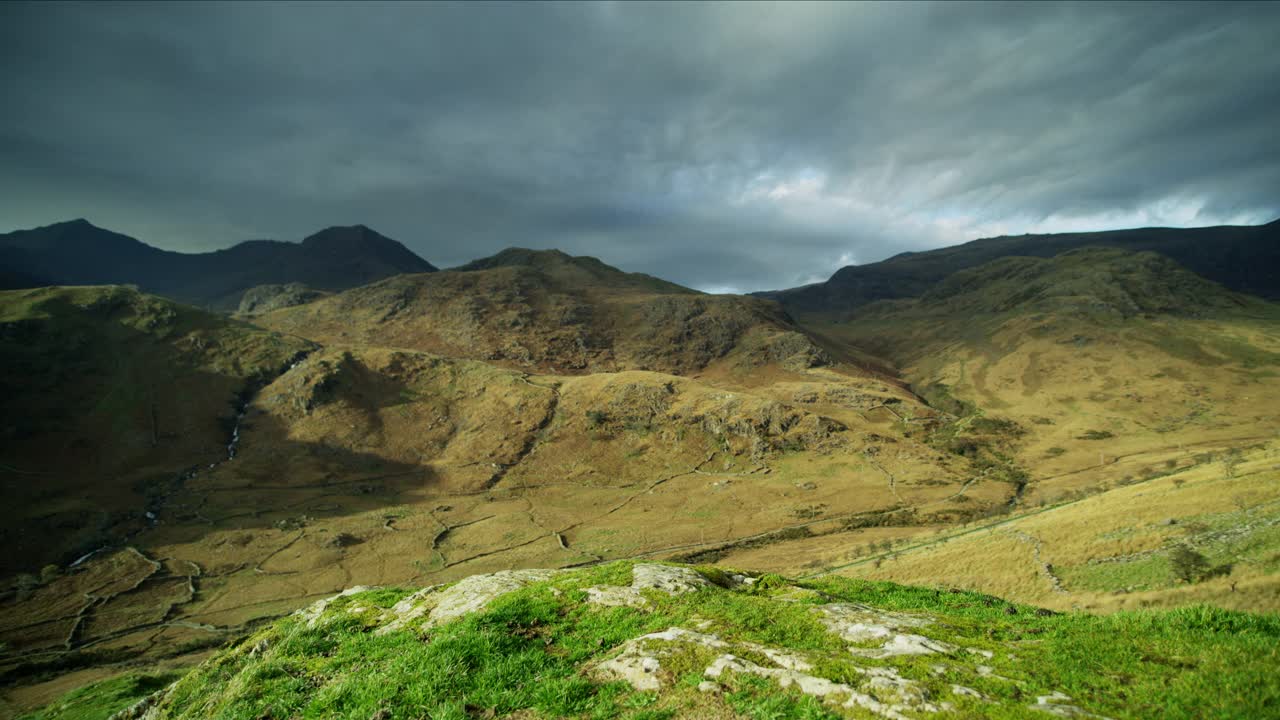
273,482
110,430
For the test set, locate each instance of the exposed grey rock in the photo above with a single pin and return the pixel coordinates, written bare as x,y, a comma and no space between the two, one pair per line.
651,576
469,595
668,579
264,298
615,596
861,624
148,708
639,663
1056,704
908,697
640,659
904,644
411,608
311,614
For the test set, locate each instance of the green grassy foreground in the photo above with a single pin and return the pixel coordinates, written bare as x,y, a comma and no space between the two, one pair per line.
101,700
532,653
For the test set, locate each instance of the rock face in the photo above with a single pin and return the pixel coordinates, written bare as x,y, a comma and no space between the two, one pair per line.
688,640
435,605
861,624
668,579
265,298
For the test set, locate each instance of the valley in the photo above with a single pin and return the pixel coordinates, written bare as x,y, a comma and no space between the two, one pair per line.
1044,429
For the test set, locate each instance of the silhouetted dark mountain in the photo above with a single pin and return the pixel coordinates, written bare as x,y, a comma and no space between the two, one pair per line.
80,253
11,276
1242,258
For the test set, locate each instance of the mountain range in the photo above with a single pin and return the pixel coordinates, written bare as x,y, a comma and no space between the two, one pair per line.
1241,258
80,253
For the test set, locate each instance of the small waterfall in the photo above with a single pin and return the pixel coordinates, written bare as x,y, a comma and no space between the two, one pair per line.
235,432
88,555
244,398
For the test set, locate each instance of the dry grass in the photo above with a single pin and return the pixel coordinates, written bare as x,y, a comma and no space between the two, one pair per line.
377,463
1230,519
388,467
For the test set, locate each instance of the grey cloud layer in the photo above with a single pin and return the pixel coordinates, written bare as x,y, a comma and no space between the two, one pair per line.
740,146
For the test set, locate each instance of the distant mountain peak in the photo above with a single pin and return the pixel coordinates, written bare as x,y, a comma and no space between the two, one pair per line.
346,233
574,269
526,256
75,225
364,242
550,260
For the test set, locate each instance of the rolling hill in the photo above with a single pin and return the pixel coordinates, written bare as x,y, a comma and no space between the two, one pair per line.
548,311
80,253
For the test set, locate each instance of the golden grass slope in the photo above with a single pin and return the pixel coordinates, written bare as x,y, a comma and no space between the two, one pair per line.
1111,550
1100,356
384,466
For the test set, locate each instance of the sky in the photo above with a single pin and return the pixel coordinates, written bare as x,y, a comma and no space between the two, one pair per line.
729,147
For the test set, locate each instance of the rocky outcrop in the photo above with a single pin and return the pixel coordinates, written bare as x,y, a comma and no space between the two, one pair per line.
436,605
665,631
668,579
265,298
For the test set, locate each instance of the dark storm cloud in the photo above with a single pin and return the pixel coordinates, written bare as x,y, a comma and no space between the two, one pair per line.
722,146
